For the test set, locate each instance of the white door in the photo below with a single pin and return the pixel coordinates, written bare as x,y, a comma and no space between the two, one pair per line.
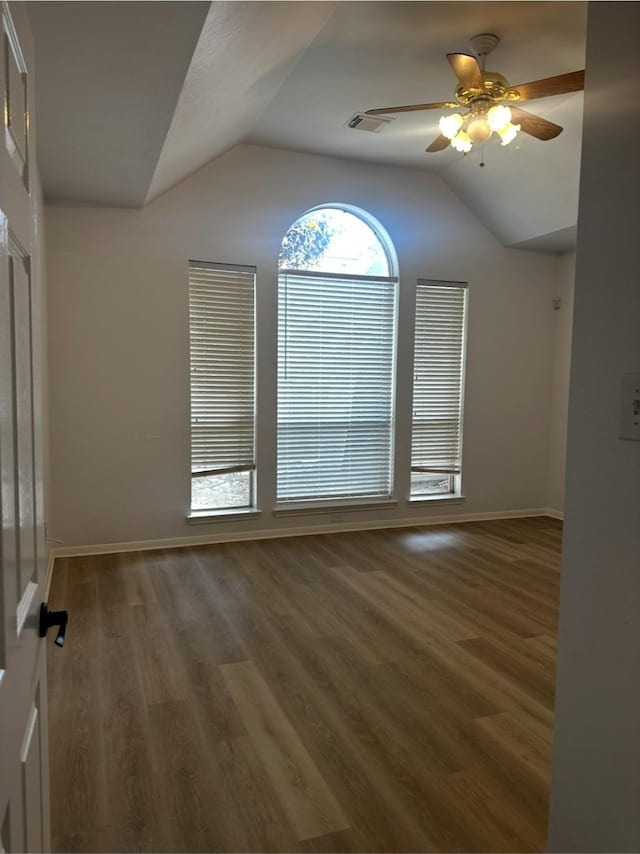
24,816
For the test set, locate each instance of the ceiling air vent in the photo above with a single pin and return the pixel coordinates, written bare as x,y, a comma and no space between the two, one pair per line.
371,124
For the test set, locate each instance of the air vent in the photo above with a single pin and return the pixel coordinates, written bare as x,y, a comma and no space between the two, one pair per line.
370,124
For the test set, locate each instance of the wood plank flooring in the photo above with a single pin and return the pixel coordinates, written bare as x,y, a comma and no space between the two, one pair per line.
375,691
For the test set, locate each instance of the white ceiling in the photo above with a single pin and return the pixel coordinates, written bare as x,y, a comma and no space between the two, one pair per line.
108,77
234,75
290,75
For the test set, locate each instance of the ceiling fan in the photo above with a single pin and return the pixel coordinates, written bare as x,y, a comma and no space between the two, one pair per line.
490,103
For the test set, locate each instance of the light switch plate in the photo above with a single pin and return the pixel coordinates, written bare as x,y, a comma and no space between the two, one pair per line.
630,411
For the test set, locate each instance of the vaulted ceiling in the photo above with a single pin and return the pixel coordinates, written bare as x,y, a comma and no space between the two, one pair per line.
134,96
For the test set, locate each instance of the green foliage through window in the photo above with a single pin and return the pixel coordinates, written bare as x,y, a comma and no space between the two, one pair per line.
305,243
334,240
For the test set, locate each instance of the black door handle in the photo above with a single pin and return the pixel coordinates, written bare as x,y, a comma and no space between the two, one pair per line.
53,618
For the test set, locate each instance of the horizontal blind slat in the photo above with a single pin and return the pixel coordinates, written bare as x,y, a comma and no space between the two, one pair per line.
438,366
222,360
335,386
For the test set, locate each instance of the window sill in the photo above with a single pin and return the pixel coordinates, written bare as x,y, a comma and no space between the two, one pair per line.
437,499
204,517
316,508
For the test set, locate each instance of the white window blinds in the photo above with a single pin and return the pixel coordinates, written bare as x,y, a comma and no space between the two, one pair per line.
336,338
222,355
438,371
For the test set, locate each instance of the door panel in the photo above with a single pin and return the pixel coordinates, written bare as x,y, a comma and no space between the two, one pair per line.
15,97
8,489
30,767
21,684
24,789
21,299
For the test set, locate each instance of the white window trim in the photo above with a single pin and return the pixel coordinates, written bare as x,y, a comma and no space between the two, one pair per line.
211,513
203,517
438,498
317,505
354,505
456,495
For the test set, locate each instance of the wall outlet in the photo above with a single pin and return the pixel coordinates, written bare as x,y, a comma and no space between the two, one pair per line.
630,410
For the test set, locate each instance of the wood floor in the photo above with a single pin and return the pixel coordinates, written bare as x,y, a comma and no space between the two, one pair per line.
375,691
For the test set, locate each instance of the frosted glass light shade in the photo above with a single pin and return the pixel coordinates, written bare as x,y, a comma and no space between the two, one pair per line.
499,117
478,129
508,133
461,142
450,125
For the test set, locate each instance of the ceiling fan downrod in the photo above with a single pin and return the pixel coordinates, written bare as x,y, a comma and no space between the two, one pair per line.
482,45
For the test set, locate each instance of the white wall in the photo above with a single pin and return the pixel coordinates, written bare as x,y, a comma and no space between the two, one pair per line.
119,355
595,790
561,364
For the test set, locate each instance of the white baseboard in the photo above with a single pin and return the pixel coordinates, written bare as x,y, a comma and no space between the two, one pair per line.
300,531
555,514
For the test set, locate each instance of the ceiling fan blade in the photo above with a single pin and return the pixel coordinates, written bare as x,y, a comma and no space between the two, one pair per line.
439,143
534,125
467,70
560,85
410,108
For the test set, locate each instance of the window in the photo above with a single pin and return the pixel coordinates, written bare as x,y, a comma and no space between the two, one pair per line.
336,337
222,359
436,446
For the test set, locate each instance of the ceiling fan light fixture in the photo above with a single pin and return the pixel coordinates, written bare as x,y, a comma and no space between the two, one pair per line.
481,94
508,133
461,142
499,117
450,125
478,129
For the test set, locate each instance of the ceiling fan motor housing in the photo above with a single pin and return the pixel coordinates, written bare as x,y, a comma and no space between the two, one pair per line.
495,86
483,44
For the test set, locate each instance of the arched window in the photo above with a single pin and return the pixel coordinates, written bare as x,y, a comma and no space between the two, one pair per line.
336,345
336,240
